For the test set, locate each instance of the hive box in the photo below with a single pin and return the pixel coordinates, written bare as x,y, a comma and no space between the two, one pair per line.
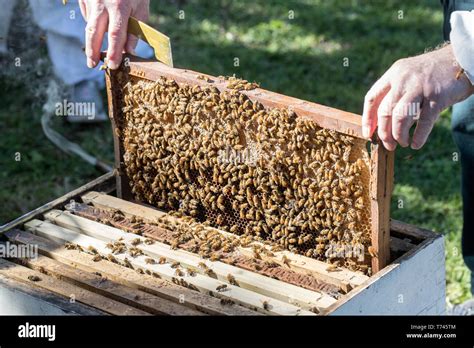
413,282
408,262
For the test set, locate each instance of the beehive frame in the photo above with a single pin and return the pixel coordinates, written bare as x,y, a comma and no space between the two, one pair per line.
381,160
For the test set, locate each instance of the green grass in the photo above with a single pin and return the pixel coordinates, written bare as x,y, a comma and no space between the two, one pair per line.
301,57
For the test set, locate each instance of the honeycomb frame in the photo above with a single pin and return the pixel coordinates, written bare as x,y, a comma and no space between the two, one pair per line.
379,164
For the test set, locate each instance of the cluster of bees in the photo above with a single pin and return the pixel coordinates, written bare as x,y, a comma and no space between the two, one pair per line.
199,238
304,188
239,84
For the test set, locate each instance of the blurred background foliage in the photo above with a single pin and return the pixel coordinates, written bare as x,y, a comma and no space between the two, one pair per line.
295,47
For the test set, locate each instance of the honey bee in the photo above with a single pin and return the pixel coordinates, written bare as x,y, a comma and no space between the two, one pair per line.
135,241
372,251
221,288
209,272
179,273
96,258
333,268
190,272
34,278
112,258
175,264
231,280
174,245
149,241
286,260
127,263
72,246
266,305
134,252
92,250
226,302
162,260
150,261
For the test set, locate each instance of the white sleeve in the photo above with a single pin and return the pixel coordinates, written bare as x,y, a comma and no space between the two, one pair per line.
462,40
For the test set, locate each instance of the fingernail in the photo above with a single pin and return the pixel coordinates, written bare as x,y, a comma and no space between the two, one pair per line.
112,64
90,63
365,131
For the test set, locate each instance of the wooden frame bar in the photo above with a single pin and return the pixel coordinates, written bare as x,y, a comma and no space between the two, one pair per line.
66,290
99,284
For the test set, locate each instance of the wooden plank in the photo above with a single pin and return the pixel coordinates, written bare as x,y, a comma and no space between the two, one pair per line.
246,279
20,298
67,290
299,263
94,184
381,186
205,284
110,289
410,231
114,96
324,116
129,277
400,245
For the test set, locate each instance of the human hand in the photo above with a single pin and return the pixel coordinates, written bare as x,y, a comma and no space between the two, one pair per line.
111,16
413,89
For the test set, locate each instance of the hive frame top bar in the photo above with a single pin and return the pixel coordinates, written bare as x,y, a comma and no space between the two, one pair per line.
381,160
326,117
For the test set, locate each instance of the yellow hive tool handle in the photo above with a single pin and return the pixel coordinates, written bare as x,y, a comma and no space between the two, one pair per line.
160,42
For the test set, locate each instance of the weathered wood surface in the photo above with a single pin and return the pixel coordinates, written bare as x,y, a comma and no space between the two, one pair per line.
381,186
100,284
67,290
128,277
410,231
206,284
95,184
